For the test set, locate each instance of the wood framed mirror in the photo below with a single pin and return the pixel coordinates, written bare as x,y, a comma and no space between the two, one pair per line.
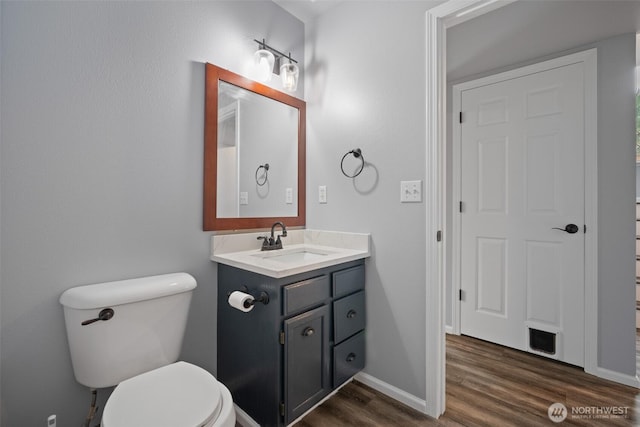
254,154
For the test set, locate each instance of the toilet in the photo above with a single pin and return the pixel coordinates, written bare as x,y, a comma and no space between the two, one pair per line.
128,334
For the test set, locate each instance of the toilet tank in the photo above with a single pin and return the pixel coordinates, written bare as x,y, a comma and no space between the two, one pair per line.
144,333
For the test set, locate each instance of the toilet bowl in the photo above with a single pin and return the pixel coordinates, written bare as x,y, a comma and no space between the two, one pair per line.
176,395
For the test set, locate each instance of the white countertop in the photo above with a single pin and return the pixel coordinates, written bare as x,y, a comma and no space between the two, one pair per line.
303,250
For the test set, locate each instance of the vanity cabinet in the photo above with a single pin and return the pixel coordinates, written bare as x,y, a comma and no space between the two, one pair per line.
282,358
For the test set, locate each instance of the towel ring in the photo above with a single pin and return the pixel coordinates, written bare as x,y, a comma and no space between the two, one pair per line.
266,174
357,153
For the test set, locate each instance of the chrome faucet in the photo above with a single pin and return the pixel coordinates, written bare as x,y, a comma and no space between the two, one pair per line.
271,243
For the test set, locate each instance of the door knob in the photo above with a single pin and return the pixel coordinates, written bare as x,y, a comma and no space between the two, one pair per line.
308,332
569,228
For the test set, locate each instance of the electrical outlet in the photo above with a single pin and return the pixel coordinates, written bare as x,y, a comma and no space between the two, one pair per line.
410,191
244,198
322,194
51,421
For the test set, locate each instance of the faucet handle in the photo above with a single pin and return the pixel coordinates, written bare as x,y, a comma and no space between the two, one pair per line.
265,241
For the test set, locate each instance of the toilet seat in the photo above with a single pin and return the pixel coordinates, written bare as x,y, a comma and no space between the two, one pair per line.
180,394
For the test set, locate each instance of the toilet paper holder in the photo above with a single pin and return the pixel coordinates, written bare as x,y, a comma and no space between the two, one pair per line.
262,297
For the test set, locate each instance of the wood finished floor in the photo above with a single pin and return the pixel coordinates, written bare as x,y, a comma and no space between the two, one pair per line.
487,385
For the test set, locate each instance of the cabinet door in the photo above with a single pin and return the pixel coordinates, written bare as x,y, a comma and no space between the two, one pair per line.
306,361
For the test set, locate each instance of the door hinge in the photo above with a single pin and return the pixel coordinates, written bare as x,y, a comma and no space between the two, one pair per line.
460,206
282,337
460,295
439,236
282,409
585,229
460,117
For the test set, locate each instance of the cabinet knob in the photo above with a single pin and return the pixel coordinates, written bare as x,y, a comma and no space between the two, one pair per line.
308,332
351,314
351,357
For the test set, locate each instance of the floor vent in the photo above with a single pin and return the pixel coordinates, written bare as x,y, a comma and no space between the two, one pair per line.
542,341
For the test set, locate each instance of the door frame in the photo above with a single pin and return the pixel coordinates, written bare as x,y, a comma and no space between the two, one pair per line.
589,60
438,19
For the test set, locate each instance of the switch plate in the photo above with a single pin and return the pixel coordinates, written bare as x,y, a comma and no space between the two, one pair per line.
322,194
410,191
288,198
244,198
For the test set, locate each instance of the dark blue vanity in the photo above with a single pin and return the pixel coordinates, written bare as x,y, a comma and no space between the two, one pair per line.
283,357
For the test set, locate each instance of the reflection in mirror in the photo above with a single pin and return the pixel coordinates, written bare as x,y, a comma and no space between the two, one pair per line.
254,172
257,155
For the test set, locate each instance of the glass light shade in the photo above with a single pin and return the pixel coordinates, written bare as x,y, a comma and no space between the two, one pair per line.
264,64
289,74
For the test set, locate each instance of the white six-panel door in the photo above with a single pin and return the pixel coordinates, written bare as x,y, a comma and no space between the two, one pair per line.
521,184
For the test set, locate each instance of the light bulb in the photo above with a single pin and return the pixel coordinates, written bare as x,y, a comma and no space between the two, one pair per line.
264,64
289,74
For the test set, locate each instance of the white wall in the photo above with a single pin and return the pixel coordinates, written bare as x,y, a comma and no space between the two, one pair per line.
528,31
101,168
365,64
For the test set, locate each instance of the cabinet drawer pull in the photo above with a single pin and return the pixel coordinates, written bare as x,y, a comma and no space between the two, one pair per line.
351,357
308,332
351,314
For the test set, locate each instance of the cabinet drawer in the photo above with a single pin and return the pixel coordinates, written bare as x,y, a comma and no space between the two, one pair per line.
348,281
348,359
348,316
307,293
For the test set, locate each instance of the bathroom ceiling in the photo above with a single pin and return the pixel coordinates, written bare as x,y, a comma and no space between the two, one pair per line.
307,10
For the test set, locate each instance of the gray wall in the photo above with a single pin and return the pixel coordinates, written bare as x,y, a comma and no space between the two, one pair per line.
101,168
365,72
527,32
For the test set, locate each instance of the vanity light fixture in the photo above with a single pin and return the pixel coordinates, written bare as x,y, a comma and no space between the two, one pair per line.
267,60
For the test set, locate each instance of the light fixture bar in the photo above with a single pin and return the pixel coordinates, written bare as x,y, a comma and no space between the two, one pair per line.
265,46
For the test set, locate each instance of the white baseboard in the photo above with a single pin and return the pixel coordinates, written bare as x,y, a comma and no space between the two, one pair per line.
448,329
393,392
630,380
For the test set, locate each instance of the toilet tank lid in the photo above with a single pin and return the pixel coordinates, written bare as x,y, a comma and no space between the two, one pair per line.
126,291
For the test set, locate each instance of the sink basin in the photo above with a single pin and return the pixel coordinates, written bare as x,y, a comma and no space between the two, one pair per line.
292,256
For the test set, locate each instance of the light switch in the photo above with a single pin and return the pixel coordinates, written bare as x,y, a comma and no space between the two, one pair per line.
410,191
288,196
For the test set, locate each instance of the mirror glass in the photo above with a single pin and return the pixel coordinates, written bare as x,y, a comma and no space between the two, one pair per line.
254,154
257,155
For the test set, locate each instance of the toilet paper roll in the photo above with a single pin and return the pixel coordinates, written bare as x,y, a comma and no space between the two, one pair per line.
241,301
